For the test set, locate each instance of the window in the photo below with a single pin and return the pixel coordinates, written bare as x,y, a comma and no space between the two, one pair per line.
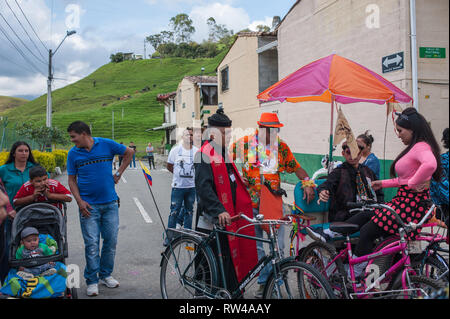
224,75
210,96
184,105
173,106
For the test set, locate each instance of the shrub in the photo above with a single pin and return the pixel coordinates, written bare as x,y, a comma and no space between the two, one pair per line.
3,157
60,158
47,160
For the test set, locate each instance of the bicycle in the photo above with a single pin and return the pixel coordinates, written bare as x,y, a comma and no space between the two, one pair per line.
397,281
189,268
428,261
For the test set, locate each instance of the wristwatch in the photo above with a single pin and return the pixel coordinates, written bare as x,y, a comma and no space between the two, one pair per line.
117,174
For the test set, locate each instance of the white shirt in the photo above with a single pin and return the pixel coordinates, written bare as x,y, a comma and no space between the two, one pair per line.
183,166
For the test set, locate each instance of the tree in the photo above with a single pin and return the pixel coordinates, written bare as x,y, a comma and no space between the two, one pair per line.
117,58
262,28
155,40
43,135
216,31
182,27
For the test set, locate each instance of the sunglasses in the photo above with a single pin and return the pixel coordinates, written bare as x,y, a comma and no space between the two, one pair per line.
402,116
346,147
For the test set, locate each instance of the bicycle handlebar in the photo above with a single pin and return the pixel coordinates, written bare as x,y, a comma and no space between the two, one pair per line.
259,219
372,204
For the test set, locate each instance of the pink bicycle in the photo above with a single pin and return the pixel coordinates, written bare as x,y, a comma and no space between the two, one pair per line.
400,280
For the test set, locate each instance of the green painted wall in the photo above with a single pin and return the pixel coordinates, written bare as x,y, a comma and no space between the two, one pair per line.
311,163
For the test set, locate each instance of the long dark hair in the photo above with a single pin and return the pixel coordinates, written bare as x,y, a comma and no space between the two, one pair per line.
412,120
11,157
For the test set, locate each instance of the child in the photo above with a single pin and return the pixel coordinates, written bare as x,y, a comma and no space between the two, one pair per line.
40,189
30,248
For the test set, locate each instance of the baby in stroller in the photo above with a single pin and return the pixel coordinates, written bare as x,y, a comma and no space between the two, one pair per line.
30,248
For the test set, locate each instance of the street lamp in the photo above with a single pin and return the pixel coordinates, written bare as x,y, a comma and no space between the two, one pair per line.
50,78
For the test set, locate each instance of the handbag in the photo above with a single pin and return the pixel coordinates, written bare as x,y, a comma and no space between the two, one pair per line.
270,205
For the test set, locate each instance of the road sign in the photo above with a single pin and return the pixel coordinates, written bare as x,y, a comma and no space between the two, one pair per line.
392,62
432,53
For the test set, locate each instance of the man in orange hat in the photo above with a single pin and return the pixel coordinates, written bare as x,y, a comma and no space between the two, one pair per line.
264,156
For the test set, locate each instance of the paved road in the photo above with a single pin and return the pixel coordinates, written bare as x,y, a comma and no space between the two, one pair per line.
140,237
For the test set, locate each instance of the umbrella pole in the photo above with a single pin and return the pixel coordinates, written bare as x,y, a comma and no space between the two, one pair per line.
330,156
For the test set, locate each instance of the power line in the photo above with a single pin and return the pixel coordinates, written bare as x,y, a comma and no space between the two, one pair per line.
21,39
19,65
24,29
31,25
19,50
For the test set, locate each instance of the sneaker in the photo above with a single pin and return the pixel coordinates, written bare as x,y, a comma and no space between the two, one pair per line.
318,234
92,290
259,293
49,272
25,275
110,282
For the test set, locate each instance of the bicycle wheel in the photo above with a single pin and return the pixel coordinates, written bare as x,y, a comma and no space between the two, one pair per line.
433,266
420,287
320,255
298,280
188,270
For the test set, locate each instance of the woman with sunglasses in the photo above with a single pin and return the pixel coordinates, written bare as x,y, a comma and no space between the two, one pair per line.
411,172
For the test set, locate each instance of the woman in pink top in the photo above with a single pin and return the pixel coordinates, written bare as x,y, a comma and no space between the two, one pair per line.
411,172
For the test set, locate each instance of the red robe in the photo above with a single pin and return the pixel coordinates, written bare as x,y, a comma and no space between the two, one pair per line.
243,251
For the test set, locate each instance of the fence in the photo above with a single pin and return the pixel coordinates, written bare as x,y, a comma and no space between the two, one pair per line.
9,136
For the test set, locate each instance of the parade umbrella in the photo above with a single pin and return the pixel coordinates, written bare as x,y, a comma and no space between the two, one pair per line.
334,79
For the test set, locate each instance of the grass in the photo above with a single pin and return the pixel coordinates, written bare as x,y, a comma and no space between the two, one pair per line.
96,104
7,102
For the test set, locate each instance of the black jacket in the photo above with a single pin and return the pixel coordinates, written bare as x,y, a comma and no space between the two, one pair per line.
341,184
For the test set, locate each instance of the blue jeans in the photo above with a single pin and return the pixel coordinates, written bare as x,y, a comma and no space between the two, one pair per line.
259,232
104,223
36,271
133,161
181,197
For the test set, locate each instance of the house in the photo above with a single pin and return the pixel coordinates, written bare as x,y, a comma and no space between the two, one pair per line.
170,121
249,67
364,31
128,56
188,106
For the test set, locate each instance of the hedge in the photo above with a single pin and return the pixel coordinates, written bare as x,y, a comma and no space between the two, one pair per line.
57,158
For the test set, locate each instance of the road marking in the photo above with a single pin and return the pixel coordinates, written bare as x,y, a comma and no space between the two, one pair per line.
144,214
123,179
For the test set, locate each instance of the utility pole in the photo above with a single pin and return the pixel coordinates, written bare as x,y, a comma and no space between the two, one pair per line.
145,49
49,90
113,125
50,79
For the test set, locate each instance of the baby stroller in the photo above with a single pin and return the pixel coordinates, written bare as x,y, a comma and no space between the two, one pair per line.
51,222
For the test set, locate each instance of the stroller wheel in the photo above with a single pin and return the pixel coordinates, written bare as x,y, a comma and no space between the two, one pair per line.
71,293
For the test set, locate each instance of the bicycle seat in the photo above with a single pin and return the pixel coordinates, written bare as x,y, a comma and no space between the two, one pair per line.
344,228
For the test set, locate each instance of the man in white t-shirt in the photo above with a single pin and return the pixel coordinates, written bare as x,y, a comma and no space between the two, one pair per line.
181,164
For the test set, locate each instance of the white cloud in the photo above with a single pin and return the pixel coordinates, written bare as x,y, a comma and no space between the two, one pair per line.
33,85
233,18
267,21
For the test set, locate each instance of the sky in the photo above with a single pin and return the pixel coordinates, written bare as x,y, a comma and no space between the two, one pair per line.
103,27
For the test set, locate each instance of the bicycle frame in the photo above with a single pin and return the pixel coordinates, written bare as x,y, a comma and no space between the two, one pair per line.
213,236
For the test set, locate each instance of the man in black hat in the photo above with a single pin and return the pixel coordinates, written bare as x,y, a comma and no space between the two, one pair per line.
222,195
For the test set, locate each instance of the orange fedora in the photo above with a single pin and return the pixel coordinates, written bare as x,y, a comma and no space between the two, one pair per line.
269,120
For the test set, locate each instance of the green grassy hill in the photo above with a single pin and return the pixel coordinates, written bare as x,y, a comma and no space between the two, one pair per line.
95,104
7,102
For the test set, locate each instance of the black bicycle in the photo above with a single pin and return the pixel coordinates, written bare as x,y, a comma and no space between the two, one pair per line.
190,269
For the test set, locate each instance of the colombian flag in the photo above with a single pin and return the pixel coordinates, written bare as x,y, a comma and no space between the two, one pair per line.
147,175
